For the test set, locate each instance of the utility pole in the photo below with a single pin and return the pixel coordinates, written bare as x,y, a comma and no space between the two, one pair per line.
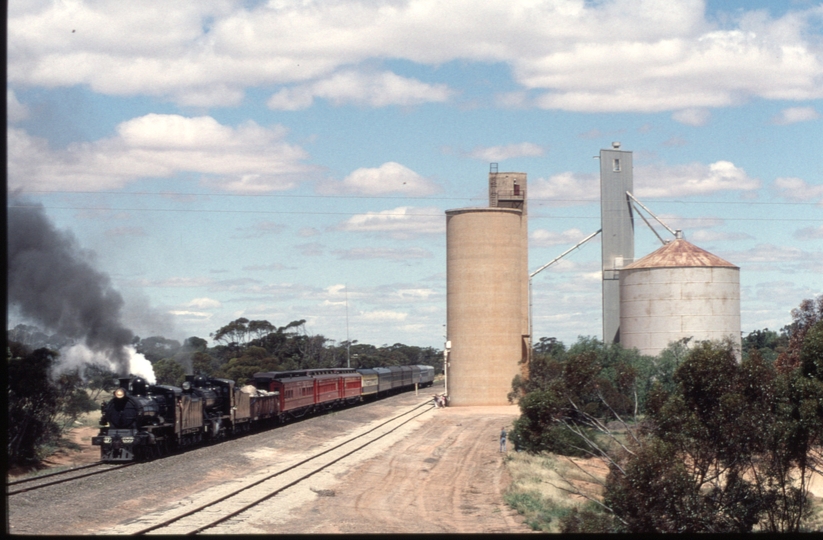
348,341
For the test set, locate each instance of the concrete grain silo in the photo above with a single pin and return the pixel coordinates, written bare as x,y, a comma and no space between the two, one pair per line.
487,294
679,291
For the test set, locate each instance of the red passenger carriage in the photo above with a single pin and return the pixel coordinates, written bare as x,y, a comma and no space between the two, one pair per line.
308,390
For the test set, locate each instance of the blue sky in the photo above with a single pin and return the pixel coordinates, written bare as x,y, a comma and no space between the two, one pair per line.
294,160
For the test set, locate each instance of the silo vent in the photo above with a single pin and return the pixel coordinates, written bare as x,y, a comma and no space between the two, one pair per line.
616,145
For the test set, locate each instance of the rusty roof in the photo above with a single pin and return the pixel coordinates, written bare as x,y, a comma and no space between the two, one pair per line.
680,253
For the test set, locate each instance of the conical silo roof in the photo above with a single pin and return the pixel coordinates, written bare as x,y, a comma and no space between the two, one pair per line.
679,253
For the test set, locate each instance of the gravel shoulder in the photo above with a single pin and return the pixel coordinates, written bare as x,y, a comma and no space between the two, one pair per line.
440,473
447,476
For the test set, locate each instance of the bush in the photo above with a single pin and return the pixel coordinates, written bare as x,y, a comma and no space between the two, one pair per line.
33,403
588,520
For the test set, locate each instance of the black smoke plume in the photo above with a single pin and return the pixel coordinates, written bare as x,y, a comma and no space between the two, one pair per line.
52,282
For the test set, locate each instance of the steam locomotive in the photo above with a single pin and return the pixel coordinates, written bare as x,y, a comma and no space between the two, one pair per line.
144,421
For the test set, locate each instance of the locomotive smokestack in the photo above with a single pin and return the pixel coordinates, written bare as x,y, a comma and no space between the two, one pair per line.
51,283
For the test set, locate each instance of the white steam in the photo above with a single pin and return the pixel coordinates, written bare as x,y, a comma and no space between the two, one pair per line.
78,355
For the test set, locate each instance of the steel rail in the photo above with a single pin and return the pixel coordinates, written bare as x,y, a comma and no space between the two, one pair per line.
49,475
234,513
64,480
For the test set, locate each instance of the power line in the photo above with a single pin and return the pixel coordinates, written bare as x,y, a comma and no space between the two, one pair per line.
375,214
411,197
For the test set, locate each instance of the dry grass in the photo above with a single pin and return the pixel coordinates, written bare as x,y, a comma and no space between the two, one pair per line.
541,484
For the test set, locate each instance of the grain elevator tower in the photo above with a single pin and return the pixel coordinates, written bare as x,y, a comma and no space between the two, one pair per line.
617,237
487,293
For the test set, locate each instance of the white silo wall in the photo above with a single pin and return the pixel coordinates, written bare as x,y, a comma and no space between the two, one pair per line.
664,304
485,274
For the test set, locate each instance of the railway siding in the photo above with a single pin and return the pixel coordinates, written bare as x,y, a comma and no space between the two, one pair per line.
267,485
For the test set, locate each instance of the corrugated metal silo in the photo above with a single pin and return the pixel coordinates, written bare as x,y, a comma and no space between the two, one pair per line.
676,292
485,273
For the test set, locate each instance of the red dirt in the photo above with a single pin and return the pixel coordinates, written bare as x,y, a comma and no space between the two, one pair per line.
66,457
447,477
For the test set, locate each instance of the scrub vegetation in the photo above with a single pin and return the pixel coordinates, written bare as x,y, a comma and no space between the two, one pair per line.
694,440
537,489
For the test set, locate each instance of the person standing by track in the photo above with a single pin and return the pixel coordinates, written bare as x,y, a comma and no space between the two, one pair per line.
503,439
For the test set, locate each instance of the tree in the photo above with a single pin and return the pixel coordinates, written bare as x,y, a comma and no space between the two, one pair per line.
242,330
732,449
805,316
203,364
156,348
33,402
259,329
767,342
195,344
718,445
100,379
253,360
570,393
168,371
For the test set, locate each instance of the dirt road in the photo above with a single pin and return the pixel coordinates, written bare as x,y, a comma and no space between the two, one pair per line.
445,477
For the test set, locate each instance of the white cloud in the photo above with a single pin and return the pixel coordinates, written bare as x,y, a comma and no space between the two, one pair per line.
544,238
797,189
246,159
384,315
390,177
393,254
792,115
312,249
372,89
265,267
691,179
338,289
15,111
810,233
615,55
204,303
692,117
703,235
191,316
566,189
509,151
175,282
688,224
774,257
406,294
260,229
400,223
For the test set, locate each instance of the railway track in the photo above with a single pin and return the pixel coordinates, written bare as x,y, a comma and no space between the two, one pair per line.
212,512
60,477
